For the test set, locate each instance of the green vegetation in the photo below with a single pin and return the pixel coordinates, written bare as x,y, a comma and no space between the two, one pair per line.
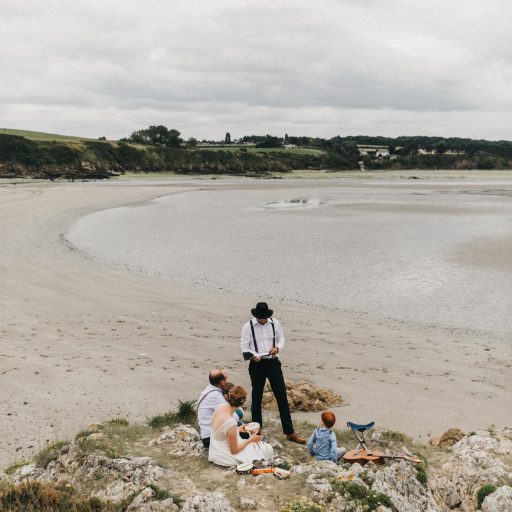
158,149
421,470
162,494
49,453
366,499
186,413
483,492
13,467
48,137
156,136
302,505
44,497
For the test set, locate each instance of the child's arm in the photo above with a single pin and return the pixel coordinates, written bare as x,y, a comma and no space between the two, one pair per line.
334,454
311,442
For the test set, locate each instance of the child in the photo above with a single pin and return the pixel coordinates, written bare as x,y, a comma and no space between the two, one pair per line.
322,443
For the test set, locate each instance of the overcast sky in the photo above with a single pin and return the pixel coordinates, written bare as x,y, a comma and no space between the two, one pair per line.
323,67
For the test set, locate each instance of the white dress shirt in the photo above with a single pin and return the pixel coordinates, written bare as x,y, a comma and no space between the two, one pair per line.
264,336
207,407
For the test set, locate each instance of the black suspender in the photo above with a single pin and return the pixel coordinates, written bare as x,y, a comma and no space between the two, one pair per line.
254,335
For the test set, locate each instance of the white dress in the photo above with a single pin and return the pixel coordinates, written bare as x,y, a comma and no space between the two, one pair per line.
220,454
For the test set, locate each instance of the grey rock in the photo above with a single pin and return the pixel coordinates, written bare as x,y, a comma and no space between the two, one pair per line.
318,485
182,440
145,502
208,502
499,501
399,482
247,503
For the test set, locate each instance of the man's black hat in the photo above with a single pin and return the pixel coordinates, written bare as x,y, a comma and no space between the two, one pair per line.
261,311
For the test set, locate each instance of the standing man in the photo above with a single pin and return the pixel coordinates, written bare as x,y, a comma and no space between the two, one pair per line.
261,341
211,397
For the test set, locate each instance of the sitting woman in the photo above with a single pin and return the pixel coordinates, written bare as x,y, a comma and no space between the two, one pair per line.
226,446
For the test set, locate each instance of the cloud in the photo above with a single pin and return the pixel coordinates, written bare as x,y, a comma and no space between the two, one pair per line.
320,68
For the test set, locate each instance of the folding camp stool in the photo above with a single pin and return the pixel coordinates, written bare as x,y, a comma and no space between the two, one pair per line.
361,431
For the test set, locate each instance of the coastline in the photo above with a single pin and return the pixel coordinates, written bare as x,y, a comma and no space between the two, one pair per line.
122,343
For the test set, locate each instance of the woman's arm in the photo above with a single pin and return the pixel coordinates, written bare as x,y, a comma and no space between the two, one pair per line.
233,439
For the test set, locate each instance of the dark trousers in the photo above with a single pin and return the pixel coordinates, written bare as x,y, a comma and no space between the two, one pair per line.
259,372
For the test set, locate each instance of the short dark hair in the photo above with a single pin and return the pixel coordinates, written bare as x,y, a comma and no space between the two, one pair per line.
216,377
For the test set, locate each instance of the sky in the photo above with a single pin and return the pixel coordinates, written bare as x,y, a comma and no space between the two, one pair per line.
206,67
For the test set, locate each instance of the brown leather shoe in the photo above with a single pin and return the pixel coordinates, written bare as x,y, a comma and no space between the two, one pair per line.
295,438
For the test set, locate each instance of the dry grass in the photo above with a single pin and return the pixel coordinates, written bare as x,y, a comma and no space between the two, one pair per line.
38,497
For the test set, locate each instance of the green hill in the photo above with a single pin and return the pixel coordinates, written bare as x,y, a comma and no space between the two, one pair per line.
42,135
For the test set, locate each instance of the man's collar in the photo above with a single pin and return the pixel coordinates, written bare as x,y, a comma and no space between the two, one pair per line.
254,321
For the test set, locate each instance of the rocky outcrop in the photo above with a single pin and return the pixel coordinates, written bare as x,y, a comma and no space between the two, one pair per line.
118,477
303,396
475,460
181,440
400,483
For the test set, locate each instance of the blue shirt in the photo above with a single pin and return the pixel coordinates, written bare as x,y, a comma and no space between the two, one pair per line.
322,444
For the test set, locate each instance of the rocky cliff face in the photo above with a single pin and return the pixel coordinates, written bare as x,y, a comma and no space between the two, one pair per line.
170,463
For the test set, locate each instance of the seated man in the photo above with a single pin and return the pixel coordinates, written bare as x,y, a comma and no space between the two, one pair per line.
211,397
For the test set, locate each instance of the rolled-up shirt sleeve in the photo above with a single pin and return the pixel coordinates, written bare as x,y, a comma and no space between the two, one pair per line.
279,335
246,339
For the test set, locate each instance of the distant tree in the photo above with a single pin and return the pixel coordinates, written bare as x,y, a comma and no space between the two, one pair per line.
157,136
269,141
102,138
191,143
441,147
227,138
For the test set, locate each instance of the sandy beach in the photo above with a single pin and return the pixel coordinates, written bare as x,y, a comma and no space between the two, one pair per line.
82,340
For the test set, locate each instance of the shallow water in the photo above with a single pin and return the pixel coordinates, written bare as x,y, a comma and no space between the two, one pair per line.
434,252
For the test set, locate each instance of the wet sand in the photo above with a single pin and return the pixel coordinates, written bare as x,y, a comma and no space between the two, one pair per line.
82,341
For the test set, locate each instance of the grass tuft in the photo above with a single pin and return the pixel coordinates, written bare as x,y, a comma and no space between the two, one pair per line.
186,413
482,493
13,467
49,453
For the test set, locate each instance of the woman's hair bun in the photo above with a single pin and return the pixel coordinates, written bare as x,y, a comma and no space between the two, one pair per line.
236,396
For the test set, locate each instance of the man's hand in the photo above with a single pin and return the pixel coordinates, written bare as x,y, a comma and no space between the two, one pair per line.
256,359
274,352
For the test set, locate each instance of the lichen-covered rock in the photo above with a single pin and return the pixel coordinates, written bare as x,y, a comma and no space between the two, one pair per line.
303,396
499,501
399,482
318,485
446,493
247,503
146,501
476,461
208,502
182,440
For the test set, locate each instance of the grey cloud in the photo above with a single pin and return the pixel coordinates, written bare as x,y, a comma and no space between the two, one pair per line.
109,67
